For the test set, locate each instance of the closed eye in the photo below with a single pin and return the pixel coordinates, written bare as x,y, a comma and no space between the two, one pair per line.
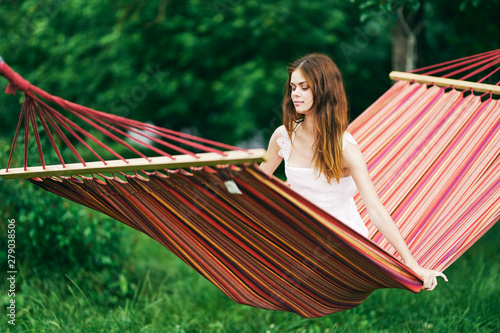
302,87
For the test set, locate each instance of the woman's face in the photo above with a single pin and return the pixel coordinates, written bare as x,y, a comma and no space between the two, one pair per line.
302,96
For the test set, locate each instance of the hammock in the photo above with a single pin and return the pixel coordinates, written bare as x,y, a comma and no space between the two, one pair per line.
432,149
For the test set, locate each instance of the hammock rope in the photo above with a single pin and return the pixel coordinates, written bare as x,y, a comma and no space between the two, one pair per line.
115,128
433,152
490,59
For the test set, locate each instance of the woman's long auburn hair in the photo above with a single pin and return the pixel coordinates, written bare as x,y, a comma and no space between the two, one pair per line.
329,111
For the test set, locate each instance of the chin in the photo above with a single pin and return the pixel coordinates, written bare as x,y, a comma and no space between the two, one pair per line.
302,111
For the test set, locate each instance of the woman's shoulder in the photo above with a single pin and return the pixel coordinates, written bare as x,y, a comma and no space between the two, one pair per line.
280,136
279,133
351,154
348,138
280,130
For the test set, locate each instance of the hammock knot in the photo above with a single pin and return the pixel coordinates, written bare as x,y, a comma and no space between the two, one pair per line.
16,81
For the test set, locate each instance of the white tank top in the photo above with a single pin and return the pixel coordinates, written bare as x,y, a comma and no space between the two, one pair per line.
335,198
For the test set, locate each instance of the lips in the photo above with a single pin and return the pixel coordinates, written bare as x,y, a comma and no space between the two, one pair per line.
297,102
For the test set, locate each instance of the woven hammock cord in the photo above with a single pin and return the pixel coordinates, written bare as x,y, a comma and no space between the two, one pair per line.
15,137
46,128
36,108
455,63
489,62
32,119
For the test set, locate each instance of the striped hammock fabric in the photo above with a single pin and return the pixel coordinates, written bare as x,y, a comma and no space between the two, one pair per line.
434,156
267,247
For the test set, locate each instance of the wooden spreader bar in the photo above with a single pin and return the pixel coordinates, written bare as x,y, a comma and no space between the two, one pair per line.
137,164
443,82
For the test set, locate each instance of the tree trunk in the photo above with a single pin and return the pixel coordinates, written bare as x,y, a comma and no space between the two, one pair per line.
407,38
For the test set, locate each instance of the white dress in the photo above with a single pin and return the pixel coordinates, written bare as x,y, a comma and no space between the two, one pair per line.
335,198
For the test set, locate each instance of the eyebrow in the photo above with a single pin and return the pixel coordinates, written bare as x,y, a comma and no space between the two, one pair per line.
299,83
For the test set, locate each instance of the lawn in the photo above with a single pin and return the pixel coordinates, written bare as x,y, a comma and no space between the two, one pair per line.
157,292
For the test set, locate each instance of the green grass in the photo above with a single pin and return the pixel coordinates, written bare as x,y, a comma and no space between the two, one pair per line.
159,293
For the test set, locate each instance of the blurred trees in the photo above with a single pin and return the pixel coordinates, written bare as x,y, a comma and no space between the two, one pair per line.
217,68
429,32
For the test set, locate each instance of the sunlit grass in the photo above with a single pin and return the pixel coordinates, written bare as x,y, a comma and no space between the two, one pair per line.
159,293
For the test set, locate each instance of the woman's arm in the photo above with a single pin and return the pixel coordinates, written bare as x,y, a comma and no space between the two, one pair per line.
273,160
355,163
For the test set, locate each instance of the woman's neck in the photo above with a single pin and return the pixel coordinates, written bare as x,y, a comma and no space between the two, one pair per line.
308,124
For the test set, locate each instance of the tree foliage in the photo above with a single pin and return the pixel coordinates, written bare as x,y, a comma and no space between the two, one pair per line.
448,30
212,67
56,235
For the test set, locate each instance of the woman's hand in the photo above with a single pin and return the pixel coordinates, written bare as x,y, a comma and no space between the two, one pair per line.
429,276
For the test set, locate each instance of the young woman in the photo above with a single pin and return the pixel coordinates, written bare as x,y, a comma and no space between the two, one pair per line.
322,161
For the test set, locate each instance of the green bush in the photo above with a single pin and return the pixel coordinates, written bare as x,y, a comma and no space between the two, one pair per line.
56,234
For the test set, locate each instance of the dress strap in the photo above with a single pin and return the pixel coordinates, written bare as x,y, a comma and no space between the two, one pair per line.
348,138
284,141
